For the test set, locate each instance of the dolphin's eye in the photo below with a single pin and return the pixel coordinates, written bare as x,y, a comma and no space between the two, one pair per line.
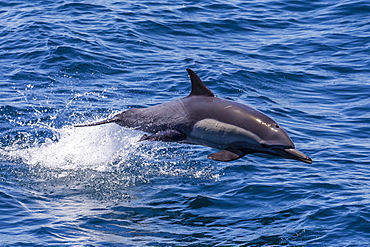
277,126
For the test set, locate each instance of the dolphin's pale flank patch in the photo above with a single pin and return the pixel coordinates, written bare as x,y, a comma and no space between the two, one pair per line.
218,132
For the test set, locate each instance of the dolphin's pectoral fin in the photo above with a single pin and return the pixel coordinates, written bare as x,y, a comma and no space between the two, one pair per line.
229,154
165,135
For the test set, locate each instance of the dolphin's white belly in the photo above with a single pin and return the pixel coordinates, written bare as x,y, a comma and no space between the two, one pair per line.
220,135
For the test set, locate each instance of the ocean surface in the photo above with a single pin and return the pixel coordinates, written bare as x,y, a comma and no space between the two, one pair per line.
306,64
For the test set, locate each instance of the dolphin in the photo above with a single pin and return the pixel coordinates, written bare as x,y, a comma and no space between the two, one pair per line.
204,119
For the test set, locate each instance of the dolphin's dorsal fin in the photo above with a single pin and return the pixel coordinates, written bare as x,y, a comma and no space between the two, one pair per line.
197,86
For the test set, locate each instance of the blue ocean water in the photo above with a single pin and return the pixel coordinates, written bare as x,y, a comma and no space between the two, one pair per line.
305,64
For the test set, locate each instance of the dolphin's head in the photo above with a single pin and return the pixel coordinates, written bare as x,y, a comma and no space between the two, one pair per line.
275,141
264,134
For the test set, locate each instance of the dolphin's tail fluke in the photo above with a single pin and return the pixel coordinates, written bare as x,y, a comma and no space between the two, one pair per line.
111,120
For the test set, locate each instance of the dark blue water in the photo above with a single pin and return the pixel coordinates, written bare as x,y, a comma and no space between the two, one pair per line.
304,63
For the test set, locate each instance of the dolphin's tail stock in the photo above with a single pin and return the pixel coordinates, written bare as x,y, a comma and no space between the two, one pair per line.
111,120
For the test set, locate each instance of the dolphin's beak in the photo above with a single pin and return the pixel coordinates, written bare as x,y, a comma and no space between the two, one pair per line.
291,153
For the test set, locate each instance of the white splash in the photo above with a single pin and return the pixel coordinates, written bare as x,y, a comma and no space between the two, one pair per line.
112,151
95,148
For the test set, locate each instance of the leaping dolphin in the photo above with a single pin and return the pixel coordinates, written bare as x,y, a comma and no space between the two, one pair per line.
202,118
